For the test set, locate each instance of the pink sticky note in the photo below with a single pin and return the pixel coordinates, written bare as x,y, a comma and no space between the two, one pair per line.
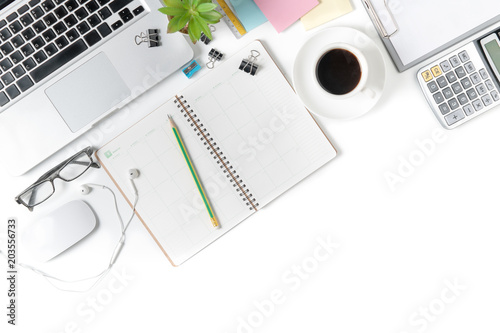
282,13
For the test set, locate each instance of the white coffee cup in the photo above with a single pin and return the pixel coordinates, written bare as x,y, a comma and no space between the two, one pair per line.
363,64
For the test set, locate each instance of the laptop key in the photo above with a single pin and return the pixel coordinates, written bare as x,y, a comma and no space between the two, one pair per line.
33,3
15,27
23,9
104,29
70,20
83,28
94,20
117,24
3,23
38,42
61,58
92,37
16,57
27,49
49,35
40,56
12,91
26,19
51,49
3,99
39,26
29,64
12,17
72,35
126,15
59,27
7,79
17,41
140,9
6,64
50,19
81,13
37,12
71,5
60,12
104,13
18,71
92,6
116,5
5,34
25,83
62,42
103,2
6,48
48,5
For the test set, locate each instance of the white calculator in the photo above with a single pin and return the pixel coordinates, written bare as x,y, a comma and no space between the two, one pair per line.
464,83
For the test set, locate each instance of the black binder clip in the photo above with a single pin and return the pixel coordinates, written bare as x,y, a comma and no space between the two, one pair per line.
204,37
152,37
213,56
248,65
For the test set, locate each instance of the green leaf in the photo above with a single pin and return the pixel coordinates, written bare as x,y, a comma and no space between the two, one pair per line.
204,26
205,7
173,3
173,11
188,3
194,29
211,17
177,23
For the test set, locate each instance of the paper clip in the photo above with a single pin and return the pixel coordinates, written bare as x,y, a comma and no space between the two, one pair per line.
213,56
152,37
204,37
248,65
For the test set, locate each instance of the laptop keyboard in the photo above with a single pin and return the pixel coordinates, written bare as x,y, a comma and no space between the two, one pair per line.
42,36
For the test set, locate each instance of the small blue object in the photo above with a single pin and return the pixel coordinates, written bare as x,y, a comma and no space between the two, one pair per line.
192,68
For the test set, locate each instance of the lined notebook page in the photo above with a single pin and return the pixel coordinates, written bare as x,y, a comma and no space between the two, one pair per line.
260,124
262,129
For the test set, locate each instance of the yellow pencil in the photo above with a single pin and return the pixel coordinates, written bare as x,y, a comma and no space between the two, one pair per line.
193,172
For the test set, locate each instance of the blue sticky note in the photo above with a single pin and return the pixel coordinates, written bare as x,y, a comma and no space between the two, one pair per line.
248,13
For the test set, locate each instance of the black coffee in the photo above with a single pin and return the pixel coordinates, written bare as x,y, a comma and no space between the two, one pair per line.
338,71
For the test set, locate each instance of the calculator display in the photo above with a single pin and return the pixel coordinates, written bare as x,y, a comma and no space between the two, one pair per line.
493,50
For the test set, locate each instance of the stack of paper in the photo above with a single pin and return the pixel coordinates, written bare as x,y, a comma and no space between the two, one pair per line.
326,11
282,13
248,13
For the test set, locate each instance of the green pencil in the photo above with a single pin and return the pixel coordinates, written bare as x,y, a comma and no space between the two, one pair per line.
193,172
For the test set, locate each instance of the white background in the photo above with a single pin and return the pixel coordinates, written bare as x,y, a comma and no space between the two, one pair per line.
397,249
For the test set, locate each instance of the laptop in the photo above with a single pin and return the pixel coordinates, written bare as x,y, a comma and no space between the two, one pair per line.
66,64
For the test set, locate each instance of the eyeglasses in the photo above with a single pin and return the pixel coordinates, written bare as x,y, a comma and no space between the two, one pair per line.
68,170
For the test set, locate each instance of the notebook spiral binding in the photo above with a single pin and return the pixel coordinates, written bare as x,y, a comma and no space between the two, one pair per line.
217,154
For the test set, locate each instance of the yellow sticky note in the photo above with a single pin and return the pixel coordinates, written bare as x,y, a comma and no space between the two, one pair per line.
326,11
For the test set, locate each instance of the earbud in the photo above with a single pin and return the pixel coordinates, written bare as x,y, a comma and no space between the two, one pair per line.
133,173
85,189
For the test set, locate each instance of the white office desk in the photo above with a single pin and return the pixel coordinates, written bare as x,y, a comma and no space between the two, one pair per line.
398,251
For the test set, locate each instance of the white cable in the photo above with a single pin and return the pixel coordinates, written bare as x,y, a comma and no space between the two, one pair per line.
112,260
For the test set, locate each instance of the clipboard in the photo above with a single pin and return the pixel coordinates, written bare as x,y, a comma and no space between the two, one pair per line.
413,31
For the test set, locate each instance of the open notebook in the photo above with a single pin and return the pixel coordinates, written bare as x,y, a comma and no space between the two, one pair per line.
266,142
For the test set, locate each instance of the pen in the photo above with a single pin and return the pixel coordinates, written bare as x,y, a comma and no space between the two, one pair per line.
193,173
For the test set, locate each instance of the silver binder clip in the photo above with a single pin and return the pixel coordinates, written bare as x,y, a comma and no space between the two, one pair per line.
152,37
213,56
248,65
204,37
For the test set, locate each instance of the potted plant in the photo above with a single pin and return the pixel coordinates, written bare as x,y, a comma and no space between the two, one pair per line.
191,17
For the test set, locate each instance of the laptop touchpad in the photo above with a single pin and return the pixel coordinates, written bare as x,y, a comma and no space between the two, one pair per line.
89,91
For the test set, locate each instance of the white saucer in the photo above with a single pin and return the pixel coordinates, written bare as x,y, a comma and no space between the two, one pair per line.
322,103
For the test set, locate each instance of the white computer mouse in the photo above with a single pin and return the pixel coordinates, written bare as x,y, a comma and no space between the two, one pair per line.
59,230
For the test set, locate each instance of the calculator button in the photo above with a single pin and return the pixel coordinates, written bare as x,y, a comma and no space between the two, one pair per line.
487,100
454,117
454,61
460,72
471,93
432,86
481,89
444,108
453,103
438,97
441,81
468,109
495,95
436,71
469,67
427,76
445,65
475,78
489,85
477,105
483,73
447,93
451,77
466,83
462,98
464,56
457,88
